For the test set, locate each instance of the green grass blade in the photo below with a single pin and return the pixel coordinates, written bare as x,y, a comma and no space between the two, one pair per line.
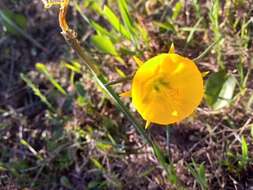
127,20
196,5
101,30
245,153
43,69
168,167
31,149
198,172
73,67
125,14
193,30
111,17
36,91
214,20
177,9
204,53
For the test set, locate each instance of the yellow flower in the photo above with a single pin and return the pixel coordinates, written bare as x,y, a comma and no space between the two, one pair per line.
167,88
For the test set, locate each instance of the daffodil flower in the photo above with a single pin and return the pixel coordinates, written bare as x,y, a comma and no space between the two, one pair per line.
166,88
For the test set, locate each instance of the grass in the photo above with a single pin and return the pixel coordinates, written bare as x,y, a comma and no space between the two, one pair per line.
59,128
199,174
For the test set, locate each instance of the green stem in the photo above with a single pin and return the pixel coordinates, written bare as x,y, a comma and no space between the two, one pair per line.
121,80
168,132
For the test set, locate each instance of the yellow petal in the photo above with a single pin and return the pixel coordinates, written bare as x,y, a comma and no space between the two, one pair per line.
138,61
147,125
204,74
126,94
172,48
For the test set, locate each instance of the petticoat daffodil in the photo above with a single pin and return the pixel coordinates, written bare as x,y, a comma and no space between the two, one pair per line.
166,89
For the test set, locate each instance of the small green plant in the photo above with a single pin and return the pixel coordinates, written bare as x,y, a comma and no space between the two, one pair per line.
197,8
43,69
198,172
237,162
37,92
244,157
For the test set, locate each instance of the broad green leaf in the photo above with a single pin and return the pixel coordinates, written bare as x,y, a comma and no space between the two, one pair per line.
104,44
213,86
220,89
226,93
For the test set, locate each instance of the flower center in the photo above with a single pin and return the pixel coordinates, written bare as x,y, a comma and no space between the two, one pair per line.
160,83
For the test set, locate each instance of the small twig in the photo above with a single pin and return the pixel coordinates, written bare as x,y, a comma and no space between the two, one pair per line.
203,54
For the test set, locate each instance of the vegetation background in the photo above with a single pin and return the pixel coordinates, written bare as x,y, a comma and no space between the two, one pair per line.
59,131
